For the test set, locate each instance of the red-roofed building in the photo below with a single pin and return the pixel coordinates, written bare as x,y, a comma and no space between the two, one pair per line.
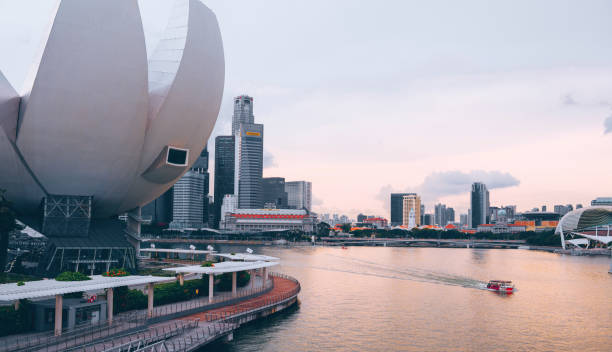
259,220
379,223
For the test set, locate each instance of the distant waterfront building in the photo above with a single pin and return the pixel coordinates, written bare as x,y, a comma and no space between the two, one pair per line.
601,201
274,193
224,172
412,202
159,211
579,206
243,112
397,208
561,209
201,167
501,228
249,166
188,201
440,214
299,194
361,217
544,208
428,219
422,212
229,204
463,220
479,200
377,222
450,215
261,220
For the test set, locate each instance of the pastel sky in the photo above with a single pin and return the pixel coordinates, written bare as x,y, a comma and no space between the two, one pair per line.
368,97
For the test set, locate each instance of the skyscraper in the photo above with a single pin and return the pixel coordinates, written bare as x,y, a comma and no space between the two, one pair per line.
201,167
188,201
224,172
249,166
243,112
411,203
299,194
479,204
397,208
450,215
274,192
440,214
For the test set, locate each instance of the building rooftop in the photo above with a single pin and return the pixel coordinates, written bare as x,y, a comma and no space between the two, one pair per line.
49,288
222,268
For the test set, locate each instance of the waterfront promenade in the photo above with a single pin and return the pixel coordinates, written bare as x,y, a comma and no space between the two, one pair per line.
182,326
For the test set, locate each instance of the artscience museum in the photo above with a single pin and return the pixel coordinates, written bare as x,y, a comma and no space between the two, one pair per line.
103,127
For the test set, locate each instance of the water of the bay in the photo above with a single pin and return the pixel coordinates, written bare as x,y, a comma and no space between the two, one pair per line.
431,299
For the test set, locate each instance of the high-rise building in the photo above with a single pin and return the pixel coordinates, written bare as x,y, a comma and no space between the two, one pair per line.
201,167
188,201
361,217
299,194
411,203
274,194
159,211
561,209
463,220
249,166
479,200
543,208
224,172
440,214
450,215
397,208
428,219
243,112
579,206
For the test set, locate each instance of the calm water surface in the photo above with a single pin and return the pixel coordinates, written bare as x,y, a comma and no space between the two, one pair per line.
416,299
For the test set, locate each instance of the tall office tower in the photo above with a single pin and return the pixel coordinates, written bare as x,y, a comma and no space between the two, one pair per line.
428,219
188,201
249,166
397,208
159,210
479,204
469,219
299,194
224,172
243,112
410,202
463,220
440,214
201,167
361,217
422,212
274,194
450,215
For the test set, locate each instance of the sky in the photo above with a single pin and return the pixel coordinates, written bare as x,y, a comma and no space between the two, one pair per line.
364,98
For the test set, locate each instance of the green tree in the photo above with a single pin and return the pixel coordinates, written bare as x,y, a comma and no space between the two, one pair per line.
7,224
346,228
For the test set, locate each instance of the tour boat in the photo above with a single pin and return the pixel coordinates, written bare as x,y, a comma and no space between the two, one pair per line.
500,286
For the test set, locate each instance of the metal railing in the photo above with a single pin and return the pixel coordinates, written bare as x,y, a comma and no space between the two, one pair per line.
127,322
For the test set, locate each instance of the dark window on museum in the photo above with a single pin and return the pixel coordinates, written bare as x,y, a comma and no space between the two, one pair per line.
177,156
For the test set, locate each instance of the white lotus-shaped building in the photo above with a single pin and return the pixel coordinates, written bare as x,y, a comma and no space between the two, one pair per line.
99,118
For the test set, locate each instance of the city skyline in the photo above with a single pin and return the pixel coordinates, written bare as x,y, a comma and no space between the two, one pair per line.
503,111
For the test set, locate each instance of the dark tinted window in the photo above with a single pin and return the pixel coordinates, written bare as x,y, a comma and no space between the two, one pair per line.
177,156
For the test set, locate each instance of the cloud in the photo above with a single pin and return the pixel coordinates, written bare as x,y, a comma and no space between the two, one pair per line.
568,99
268,160
446,183
608,125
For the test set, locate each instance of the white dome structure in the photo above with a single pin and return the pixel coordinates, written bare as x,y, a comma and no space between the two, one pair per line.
100,119
591,223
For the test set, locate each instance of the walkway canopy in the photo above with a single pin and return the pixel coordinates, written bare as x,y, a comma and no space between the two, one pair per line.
246,257
175,251
593,223
49,288
222,268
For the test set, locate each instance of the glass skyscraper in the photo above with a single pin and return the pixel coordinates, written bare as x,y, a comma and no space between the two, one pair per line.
479,201
224,172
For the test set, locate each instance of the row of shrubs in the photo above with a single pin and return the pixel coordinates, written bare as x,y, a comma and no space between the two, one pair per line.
128,299
16,321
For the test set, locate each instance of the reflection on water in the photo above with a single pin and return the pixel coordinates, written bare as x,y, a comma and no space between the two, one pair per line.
414,299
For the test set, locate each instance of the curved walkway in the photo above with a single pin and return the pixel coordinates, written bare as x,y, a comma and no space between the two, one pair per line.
284,288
